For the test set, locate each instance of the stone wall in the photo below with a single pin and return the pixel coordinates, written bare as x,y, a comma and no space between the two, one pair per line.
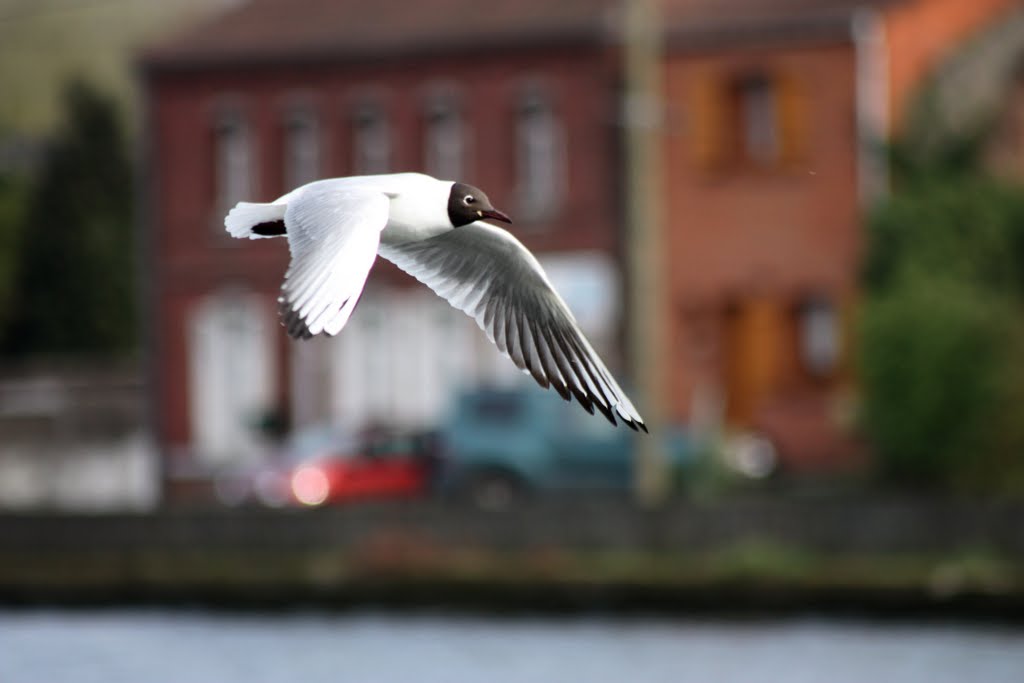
887,555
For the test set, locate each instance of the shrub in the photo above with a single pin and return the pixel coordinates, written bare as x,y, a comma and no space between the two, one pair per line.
941,351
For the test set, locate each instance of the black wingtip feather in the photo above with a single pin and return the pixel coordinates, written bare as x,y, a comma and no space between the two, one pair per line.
582,399
562,390
564,387
602,399
293,324
609,415
587,401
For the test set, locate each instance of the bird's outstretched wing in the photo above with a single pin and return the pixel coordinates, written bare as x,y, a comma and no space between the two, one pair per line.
487,273
333,235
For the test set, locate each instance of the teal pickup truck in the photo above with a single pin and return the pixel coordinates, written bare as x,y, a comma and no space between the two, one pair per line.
501,444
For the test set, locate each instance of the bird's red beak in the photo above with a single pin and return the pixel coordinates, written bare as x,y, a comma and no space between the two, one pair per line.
495,214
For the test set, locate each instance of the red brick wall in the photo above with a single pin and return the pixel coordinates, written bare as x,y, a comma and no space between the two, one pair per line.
739,230
760,238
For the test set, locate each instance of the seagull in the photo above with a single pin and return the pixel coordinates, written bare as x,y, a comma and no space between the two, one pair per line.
434,230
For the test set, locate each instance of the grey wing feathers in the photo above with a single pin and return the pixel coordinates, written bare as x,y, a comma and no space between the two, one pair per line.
485,272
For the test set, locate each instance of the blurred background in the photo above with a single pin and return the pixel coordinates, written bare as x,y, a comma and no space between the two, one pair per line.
794,229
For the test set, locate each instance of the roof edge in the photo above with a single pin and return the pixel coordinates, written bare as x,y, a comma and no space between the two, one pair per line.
832,27
159,60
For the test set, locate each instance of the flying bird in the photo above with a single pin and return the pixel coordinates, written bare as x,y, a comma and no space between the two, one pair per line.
435,230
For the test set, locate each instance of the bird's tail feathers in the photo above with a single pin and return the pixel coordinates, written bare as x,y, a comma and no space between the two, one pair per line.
255,221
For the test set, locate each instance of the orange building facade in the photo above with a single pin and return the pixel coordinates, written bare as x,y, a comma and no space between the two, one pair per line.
772,156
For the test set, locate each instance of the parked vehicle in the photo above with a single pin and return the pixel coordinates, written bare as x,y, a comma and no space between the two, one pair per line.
385,466
322,466
500,444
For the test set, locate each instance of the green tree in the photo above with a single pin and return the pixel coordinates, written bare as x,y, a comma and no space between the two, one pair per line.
943,331
74,289
964,226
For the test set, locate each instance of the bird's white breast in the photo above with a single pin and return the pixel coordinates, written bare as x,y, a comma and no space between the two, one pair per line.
419,210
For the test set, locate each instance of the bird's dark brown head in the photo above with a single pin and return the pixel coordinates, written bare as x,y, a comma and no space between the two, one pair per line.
467,204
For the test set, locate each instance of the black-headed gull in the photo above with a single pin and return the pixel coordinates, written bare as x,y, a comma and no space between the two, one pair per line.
433,230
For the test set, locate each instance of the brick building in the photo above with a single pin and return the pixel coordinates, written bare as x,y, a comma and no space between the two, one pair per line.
776,115
518,101
772,108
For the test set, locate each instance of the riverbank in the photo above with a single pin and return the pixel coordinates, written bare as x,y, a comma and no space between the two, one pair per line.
892,556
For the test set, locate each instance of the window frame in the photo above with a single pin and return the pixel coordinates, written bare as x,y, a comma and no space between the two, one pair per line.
443,106
373,110
301,116
233,156
541,166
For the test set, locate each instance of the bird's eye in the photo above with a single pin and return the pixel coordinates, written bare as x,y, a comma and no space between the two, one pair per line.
469,199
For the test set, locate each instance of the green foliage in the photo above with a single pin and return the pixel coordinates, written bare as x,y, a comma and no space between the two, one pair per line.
933,354
968,228
943,332
75,284
929,151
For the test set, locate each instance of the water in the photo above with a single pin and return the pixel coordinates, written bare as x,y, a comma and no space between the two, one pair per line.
157,646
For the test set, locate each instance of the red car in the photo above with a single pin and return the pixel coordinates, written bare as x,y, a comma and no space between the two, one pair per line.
321,466
383,466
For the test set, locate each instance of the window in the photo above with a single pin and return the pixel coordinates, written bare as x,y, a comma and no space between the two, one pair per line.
233,160
499,407
301,147
540,157
232,371
819,337
444,138
751,118
757,124
371,140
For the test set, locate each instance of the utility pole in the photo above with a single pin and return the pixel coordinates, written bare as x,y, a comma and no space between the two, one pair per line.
643,128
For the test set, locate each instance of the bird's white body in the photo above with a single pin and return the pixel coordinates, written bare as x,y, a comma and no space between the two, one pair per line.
336,228
418,203
418,211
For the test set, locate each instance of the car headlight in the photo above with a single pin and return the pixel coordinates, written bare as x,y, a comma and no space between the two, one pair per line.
310,485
